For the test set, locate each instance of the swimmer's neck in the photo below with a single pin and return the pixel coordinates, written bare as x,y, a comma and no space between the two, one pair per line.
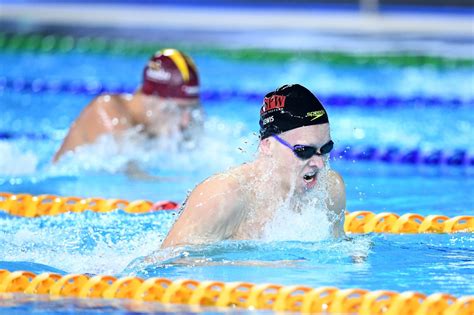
135,108
137,111
263,196
262,170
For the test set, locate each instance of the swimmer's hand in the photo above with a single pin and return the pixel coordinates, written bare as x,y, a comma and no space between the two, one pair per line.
360,255
133,171
194,262
193,256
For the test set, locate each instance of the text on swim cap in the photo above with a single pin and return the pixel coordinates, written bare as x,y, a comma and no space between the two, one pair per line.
156,73
190,90
268,120
273,102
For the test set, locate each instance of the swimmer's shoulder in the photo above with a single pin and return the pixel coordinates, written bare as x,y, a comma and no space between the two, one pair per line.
225,188
221,182
215,201
337,187
111,103
335,178
337,191
212,212
209,214
236,178
336,202
110,106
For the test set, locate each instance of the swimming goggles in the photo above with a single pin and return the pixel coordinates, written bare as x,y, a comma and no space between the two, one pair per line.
305,152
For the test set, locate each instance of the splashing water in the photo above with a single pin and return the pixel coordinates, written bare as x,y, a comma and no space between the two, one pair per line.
225,144
87,242
302,217
111,153
14,162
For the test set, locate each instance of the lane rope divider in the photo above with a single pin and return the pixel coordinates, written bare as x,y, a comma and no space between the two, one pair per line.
416,156
26,205
93,87
244,295
457,158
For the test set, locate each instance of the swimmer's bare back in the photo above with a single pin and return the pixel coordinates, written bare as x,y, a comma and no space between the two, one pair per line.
105,114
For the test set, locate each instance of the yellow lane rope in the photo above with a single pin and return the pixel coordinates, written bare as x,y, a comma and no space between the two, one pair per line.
27,205
274,297
355,222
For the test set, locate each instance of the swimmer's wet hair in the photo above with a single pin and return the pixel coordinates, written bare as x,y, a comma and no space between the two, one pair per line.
289,107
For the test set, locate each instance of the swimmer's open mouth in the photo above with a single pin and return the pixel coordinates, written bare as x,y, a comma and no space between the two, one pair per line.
309,177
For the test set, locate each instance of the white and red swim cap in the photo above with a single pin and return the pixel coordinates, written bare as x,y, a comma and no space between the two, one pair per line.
170,73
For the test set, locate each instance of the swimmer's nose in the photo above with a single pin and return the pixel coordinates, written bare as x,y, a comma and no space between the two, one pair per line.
185,119
316,161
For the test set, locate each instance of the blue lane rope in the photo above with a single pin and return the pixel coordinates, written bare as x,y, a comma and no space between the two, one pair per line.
9,135
458,157
395,155
95,88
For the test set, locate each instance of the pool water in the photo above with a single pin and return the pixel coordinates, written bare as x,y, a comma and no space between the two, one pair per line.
116,243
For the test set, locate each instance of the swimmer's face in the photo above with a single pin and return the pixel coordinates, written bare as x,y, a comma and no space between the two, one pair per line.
295,172
172,116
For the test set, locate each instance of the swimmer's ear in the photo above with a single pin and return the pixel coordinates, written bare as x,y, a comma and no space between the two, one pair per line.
265,146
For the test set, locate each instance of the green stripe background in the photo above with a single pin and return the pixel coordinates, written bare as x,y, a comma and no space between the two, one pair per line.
97,45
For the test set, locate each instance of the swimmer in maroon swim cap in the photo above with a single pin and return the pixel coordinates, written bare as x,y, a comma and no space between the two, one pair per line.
167,103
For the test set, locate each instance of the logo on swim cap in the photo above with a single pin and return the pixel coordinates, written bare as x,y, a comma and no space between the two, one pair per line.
316,114
274,102
191,90
290,107
170,73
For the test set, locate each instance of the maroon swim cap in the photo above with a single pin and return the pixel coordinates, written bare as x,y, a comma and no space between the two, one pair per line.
170,73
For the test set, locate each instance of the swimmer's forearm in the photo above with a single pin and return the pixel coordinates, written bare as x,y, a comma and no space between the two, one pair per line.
338,230
133,171
172,241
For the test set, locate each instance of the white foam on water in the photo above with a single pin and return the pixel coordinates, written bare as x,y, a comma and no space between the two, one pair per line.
15,162
82,243
209,150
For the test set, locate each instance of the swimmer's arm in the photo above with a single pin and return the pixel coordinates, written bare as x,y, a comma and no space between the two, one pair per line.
336,202
210,215
94,120
135,172
73,139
